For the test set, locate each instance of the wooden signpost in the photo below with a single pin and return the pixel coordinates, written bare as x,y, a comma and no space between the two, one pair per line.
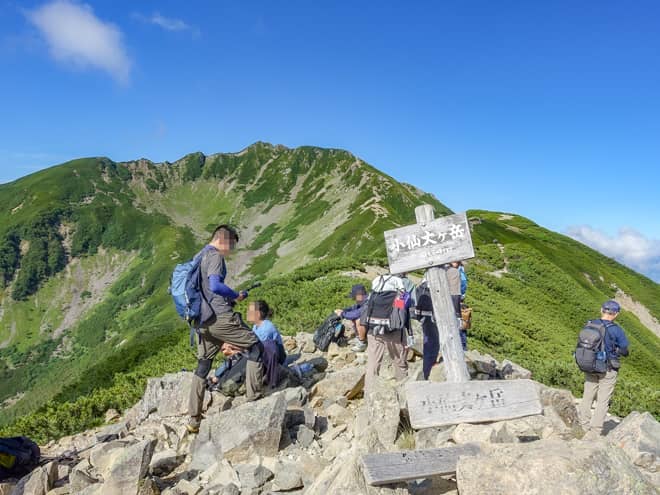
393,467
429,244
441,403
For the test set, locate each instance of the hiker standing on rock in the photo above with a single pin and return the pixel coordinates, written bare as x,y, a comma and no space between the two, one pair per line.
385,322
226,328
601,385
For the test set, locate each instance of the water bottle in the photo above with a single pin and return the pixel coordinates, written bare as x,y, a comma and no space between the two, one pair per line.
600,355
410,341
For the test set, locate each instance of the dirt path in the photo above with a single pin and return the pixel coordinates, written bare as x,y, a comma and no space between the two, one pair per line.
12,334
501,271
639,310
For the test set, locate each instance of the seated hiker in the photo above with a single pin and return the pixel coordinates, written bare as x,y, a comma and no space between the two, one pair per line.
353,313
274,353
225,326
386,322
259,314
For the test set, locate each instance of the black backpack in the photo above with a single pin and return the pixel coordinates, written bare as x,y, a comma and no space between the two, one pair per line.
18,456
331,330
386,310
590,354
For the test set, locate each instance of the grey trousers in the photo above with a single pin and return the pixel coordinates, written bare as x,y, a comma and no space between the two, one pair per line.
230,328
376,345
599,386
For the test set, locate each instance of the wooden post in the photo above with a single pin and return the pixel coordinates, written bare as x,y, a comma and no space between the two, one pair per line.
443,310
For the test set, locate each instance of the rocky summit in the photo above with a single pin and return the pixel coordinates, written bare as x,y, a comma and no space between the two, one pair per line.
313,439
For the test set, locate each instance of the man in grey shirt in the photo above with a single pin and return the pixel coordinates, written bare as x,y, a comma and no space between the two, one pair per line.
225,329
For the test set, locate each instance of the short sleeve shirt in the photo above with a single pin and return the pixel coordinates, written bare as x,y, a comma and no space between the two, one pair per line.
213,263
267,331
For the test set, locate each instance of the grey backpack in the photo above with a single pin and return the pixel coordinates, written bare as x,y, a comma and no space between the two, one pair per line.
590,354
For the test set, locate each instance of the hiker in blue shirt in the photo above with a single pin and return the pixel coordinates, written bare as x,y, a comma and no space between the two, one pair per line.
601,385
259,314
353,313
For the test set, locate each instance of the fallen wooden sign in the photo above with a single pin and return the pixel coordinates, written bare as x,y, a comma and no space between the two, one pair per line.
392,467
442,403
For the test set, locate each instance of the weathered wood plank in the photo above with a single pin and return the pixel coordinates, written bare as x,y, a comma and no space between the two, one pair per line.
439,404
392,467
431,243
443,311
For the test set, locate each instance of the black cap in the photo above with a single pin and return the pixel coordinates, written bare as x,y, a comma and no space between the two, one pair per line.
357,289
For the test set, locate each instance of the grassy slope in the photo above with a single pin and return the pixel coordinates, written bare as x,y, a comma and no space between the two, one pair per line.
532,314
144,211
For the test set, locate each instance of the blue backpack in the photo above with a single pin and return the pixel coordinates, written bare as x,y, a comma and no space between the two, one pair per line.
186,291
18,456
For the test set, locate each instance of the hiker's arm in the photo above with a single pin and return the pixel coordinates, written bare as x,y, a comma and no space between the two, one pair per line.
217,286
622,344
352,313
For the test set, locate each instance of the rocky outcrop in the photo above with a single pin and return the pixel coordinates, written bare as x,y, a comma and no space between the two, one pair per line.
551,466
237,434
311,440
638,436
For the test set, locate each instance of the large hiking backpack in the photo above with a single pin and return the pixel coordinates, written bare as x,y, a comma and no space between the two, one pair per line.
186,291
386,310
590,354
331,330
229,383
18,456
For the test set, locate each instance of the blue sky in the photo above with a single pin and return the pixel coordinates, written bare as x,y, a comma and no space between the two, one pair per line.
546,109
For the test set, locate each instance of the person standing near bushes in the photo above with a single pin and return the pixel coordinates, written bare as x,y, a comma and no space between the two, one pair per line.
600,386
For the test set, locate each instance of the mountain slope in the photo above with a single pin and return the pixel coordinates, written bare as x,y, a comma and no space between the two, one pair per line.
87,247
86,250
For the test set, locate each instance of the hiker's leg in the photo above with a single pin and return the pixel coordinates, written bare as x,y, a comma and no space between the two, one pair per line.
207,349
254,373
431,347
397,353
463,334
456,302
361,331
590,389
605,390
375,353
231,329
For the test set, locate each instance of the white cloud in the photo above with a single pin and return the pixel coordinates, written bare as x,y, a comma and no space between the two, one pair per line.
76,36
167,23
629,247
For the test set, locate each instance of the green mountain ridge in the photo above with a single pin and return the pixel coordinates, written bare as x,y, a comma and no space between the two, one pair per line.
87,248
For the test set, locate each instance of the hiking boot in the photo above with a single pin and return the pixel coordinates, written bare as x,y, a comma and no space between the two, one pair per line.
193,425
359,347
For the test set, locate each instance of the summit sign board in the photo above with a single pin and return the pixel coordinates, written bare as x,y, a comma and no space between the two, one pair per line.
420,246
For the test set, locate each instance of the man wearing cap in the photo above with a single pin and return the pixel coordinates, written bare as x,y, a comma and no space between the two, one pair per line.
352,313
601,385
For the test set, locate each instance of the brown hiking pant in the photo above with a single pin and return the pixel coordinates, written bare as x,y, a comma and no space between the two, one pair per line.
230,328
599,386
376,345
